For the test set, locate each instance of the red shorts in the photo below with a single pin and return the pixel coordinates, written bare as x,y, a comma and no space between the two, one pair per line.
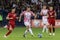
11,24
51,21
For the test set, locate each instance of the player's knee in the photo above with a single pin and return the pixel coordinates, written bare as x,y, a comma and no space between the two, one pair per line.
11,29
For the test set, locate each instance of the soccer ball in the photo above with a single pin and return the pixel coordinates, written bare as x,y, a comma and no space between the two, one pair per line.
40,35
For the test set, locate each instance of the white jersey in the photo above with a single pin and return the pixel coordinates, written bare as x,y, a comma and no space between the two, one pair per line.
44,17
27,17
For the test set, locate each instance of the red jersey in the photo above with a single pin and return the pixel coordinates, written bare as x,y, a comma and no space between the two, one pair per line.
12,15
51,18
51,13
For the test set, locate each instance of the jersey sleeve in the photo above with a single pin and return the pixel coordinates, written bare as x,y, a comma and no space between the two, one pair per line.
41,12
8,15
32,13
22,13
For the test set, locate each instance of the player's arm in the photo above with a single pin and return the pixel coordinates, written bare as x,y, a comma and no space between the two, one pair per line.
8,17
41,13
16,16
55,14
21,16
34,14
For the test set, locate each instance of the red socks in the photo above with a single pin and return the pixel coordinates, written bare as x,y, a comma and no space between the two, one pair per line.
9,32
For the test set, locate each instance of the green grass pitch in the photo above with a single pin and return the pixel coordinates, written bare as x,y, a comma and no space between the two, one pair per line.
17,34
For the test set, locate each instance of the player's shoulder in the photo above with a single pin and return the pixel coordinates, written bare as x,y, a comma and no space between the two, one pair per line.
44,9
24,11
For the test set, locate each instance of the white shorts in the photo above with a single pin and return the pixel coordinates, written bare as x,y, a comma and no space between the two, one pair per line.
44,20
27,23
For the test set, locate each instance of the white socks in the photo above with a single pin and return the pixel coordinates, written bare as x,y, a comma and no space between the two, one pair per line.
45,28
26,32
30,30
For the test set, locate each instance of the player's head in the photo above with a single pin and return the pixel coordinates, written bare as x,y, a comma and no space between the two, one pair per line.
28,8
51,8
13,10
44,6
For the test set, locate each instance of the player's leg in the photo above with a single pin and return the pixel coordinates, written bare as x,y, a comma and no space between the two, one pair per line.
5,26
53,27
53,31
10,29
27,28
45,26
26,31
30,30
50,27
27,24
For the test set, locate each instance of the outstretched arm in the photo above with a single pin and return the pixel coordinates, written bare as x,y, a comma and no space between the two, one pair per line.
34,14
41,13
8,17
21,16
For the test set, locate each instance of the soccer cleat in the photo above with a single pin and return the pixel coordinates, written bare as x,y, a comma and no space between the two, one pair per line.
24,35
5,26
5,36
50,34
42,31
53,34
32,35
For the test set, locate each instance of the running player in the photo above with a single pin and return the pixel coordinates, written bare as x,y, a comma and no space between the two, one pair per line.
27,20
11,25
44,13
51,20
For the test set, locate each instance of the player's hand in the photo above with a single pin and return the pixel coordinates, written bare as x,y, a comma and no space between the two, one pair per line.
52,16
10,18
19,20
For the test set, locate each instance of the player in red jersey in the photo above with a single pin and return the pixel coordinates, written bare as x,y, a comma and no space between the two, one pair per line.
11,24
51,20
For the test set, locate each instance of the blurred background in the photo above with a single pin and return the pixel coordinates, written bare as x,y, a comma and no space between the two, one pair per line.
36,5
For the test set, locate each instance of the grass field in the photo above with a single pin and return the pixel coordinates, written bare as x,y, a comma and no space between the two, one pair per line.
18,32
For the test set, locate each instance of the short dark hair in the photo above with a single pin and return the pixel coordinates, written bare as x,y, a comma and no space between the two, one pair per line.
27,7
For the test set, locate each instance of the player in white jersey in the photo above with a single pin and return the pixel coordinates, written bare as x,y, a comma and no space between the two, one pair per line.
44,13
27,20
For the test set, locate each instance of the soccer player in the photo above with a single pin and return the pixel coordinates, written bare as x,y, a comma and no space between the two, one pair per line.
11,24
27,20
51,20
44,13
